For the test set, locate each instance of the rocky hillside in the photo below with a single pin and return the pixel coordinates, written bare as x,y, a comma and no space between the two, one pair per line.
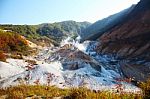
133,34
130,40
95,30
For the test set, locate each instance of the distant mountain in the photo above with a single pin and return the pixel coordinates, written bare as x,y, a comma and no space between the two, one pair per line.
95,30
60,30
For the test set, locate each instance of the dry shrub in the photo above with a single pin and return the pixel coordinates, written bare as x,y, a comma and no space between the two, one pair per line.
145,86
2,56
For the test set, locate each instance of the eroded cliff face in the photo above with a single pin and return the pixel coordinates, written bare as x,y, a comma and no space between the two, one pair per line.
131,40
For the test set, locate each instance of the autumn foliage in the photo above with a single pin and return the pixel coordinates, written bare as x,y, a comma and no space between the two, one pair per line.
10,41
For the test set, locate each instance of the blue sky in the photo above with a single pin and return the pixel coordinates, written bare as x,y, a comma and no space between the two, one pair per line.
49,11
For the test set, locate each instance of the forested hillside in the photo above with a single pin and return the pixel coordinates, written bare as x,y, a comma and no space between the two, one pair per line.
53,32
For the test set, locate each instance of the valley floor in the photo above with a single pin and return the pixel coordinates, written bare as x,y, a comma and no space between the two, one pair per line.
73,66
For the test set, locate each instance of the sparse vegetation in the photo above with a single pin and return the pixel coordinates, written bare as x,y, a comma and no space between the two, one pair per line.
49,92
33,62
